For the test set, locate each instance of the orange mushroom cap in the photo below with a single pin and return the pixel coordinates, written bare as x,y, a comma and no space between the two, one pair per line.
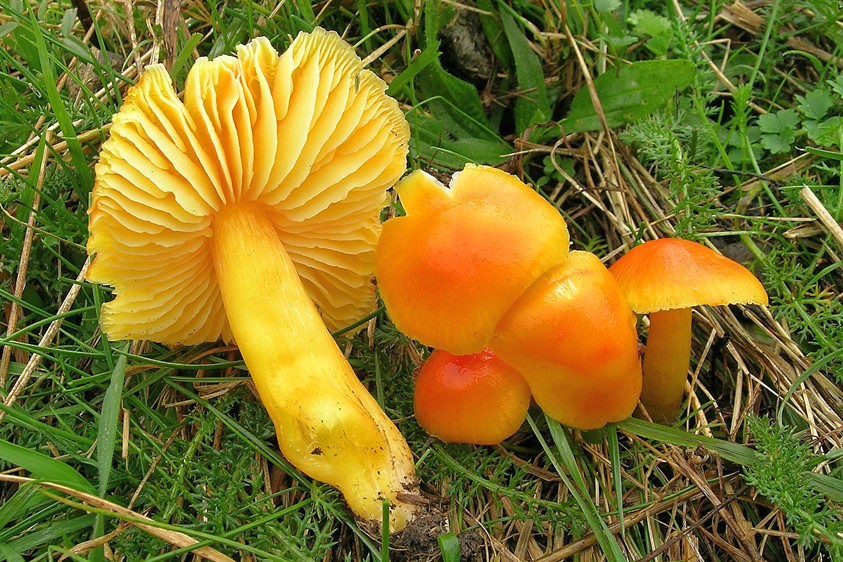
572,336
671,273
450,268
474,398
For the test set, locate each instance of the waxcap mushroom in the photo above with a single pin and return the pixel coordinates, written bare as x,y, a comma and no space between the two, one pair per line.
451,267
307,136
222,216
572,336
670,273
475,398
666,278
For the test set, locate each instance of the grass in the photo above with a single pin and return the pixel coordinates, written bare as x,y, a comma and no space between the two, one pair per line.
130,450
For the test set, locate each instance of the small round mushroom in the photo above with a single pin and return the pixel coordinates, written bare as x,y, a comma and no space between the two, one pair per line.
450,268
572,336
250,212
665,278
475,398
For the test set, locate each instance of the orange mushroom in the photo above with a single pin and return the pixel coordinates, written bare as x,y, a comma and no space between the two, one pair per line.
572,336
450,268
665,278
475,398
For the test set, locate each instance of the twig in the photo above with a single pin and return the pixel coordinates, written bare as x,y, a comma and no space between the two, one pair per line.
822,213
46,340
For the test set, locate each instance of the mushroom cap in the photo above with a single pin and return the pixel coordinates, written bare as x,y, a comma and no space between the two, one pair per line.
474,398
309,136
572,336
450,268
670,273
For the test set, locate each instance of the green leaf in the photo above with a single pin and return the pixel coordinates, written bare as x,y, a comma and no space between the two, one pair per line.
836,84
43,467
779,130
606,6
531,106
647,22
778,122
449,128
825,133
815,104
629,93
463,100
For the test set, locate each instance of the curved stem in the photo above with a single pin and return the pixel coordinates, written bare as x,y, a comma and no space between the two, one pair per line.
667,358
328,425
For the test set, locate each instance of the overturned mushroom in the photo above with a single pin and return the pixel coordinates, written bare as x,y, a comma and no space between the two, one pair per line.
230,214
450,268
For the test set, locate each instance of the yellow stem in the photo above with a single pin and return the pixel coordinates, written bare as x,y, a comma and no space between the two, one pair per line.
328,425
667,358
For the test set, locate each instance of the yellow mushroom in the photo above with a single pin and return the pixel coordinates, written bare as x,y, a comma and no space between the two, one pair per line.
250,212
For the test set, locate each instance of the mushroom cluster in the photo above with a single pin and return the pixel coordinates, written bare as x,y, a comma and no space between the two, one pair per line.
481,271
249,212
485,263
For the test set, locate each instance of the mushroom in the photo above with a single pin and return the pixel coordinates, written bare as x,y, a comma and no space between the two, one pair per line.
572,336
665,278
475,398
450,268
250,212
486,264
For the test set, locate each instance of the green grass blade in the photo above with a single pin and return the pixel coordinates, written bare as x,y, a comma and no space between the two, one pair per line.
109,419
449,546
49,533
577,487
617,481
10,554
43,467
80,163
733,452
428,56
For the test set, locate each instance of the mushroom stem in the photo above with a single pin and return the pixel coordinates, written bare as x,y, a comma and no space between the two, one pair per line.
328,425
667,358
